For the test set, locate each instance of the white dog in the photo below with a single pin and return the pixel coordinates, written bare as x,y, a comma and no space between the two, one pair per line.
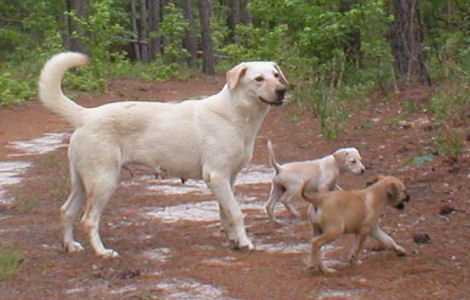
321,174
210,139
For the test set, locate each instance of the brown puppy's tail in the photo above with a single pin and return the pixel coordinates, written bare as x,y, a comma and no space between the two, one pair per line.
312,198
272,159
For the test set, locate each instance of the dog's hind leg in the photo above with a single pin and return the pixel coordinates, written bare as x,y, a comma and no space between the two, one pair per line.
287,198
70,209
357,246
99,189
274,196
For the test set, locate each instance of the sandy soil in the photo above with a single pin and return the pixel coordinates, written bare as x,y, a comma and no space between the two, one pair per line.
170,241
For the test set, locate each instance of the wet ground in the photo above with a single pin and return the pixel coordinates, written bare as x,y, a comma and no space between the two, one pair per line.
169,236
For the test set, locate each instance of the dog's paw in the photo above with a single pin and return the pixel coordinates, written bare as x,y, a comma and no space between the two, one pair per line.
241,246
108,253
73,246
400,251
327,271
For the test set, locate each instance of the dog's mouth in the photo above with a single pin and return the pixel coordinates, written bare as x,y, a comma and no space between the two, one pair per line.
400,206
275,103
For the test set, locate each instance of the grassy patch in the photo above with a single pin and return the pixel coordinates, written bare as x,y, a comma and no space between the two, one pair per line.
9,261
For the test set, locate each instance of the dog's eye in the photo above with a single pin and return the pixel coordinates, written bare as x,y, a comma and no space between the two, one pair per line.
276,75
353,161
259,78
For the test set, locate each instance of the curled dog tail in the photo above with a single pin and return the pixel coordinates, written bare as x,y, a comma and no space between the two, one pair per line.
272,159
50,91
315,198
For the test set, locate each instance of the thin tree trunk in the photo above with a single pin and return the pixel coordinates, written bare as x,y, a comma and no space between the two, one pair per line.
352,45
154,23
406,40
190,40
78,6
144,31
234,17
135,31
207,56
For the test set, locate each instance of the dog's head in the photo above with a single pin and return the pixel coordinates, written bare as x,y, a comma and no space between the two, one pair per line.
395,190
349,159
258,82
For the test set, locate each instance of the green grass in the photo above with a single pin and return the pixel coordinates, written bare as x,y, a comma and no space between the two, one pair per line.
9,262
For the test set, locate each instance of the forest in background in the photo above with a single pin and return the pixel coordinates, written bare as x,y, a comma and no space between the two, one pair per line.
334,52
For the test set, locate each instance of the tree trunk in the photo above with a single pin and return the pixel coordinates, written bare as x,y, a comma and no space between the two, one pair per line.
234,17
154,23
207,56
245,14
352,45
144,31
406,39
75,44
190,39
135,31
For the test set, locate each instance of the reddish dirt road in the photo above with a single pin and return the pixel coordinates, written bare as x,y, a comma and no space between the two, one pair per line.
170,242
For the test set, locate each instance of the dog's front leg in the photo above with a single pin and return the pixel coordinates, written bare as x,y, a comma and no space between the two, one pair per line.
230,212
387,241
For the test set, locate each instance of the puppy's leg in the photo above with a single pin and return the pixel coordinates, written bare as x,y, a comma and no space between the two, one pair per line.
231,215
100,187
70,209
287,198
386,240
317,242
274,196
356,249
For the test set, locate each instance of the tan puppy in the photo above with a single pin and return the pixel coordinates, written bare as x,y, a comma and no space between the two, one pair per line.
338,212
322,175
210,139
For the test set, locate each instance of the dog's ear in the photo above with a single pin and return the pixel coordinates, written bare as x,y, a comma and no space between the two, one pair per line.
373,180
340,156
281,75
234,75
392,191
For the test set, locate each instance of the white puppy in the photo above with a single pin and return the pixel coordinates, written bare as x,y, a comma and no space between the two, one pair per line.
321,174
210,139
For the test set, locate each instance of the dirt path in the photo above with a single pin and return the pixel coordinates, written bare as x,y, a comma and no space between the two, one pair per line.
168,235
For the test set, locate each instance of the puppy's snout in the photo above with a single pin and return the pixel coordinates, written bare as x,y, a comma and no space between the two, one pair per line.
280,91
400,206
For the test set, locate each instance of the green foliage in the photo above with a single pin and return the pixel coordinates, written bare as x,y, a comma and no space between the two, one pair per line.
257,43
173,29
9,261
450,143
12,90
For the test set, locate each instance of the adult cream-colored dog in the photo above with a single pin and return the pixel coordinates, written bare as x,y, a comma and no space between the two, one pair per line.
210,139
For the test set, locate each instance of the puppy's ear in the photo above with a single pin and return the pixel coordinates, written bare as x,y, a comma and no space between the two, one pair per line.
373,180
281,75
234,75
392,191
340,156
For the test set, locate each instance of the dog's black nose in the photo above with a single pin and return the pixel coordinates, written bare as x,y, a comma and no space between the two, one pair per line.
280,91
400,206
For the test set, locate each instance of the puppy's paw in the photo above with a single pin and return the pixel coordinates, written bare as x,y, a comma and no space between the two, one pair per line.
108,253
327,271
73,246
354,261
400,251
